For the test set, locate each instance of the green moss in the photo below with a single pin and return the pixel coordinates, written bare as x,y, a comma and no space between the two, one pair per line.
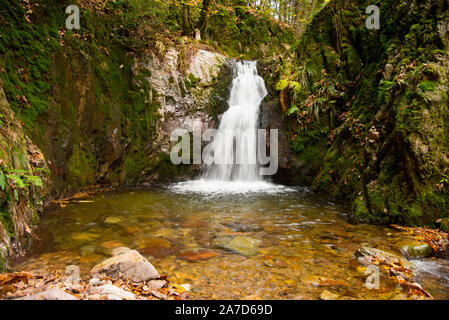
360,210
390,175
427,85
81,168
3,264
6,221
134,166
444,225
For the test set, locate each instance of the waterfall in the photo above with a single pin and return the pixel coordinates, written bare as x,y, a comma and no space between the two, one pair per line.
231,158
234,147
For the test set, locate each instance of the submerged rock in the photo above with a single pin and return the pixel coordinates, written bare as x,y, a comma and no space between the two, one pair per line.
365,256
85,236
50,294
158,248
112,219
193,256
240,227
414,249
244,245
127,264
327,295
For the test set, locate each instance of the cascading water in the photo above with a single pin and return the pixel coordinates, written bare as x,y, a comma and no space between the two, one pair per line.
234,148
231,158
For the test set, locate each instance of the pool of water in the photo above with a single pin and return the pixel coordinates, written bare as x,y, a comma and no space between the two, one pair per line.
300,244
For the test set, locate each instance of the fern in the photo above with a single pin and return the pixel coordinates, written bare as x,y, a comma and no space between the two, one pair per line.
17,179
292,110
34,180
282,85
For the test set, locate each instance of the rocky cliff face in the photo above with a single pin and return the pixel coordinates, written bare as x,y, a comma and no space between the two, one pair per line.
191,86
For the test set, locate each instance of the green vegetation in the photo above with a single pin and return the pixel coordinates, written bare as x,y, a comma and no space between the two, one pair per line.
370,109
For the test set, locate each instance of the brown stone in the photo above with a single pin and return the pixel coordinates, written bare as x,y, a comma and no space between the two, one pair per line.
193,256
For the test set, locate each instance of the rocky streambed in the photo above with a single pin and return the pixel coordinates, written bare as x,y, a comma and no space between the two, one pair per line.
162,244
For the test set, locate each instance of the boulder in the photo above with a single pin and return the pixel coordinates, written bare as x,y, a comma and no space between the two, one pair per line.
365,254
50,294
127,264
414,249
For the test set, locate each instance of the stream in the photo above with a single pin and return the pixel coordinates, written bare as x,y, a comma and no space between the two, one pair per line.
229,234
301,243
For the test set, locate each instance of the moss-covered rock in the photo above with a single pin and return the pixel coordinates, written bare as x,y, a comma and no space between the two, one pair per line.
372,110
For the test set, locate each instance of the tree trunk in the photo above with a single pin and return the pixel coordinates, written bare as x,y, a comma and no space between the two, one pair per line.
201,25
186,25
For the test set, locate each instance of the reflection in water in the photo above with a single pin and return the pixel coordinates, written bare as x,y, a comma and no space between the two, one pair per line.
291,245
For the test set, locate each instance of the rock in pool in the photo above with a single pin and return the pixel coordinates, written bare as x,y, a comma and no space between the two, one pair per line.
414,249
244,245
193,256
128,264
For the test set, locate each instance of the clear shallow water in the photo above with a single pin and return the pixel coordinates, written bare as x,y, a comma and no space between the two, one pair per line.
304,244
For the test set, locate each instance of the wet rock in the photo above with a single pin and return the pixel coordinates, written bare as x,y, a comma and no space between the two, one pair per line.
86,250
91,258
272,118
113,219
115,293
244,245
327,295
414,249
240,227
193,222
193,256
278,263
365,254
158,248
128,264
132,229
84,236
326,236
50,294
332,283
311,280
108,246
